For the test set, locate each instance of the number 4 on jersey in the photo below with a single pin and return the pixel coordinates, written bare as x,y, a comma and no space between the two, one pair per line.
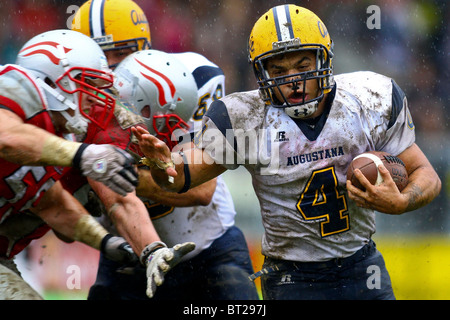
321,200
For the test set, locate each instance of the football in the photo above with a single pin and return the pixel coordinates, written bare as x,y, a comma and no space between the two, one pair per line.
368,164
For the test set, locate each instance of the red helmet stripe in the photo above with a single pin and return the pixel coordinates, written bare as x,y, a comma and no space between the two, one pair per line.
170,83
162,98
50,55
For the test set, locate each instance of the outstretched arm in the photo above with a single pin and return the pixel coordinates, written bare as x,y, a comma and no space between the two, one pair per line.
195,168
198,196
129,216
27,144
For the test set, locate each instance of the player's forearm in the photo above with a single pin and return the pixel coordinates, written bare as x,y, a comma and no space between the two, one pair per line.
424,185
198,196
133,223
129,215
423,182
30,145
194,169
64,214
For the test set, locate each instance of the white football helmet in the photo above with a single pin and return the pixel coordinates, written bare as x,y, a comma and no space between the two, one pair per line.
68,65
162,90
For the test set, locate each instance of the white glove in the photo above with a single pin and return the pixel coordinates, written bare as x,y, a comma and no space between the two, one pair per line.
161,260
107,164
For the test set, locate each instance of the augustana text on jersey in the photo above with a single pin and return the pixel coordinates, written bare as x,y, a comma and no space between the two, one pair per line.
315,156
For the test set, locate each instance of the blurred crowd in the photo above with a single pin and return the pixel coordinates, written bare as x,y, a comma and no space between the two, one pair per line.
412,46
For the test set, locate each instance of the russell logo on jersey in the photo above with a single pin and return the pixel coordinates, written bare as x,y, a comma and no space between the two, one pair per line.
281,137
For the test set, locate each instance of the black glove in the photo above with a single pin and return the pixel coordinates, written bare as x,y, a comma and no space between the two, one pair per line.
117,249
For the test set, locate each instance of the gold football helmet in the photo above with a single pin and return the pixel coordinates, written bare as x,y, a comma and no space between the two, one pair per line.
288,28
114,24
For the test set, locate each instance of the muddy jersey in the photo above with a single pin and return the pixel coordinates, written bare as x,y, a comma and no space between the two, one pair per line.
299,170
22,187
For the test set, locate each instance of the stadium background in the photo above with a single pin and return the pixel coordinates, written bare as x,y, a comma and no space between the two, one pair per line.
412,46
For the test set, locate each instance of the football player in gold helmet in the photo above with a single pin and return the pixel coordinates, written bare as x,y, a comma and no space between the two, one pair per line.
318,227
284,31
119,27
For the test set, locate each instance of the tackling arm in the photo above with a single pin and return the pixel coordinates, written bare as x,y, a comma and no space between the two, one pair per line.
63,213
25,144
129,216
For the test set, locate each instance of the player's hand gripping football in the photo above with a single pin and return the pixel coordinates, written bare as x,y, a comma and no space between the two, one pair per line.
160,260
108,165
384,198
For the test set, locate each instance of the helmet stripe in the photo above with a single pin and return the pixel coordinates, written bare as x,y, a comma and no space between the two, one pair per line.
159,84
283,23
96,18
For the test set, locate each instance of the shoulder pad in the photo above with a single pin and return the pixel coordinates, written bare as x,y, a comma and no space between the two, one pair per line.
20,86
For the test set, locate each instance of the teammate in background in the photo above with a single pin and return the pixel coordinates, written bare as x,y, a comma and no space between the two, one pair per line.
318,226
65,75
223,269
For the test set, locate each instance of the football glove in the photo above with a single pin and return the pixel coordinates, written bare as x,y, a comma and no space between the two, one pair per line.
109,165
159,259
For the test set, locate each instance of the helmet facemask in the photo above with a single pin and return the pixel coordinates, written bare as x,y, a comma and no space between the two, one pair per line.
137,44
322,73
169,127
76,83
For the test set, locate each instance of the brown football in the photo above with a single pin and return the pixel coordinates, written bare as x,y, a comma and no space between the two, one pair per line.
366,162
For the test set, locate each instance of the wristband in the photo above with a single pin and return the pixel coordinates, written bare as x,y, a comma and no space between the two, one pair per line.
148,250
76,162
89,231
58,152
104,241
151,163
187,174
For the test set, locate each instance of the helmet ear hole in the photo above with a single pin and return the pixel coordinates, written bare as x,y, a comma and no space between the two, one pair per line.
50,82
146,112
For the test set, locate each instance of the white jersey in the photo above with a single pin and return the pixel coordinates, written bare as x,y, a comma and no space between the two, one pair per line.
299,172
200,224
